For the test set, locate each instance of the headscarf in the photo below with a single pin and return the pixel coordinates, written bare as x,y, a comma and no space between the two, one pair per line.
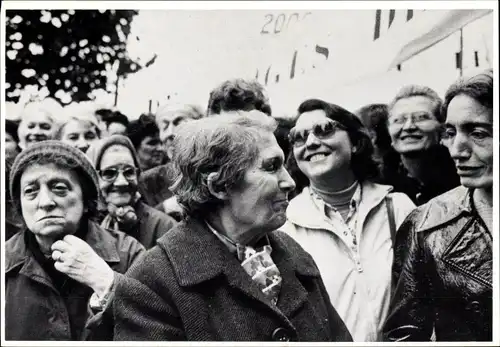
118,217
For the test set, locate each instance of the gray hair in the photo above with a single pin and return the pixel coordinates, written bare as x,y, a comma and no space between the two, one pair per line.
226,144
190,110
418,90
88,118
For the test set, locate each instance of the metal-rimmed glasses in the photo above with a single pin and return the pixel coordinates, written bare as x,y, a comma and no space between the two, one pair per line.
111,173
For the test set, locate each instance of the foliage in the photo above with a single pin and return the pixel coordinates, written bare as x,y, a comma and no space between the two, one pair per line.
66,51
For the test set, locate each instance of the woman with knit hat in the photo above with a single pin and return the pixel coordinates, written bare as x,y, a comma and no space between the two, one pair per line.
116,162
61,271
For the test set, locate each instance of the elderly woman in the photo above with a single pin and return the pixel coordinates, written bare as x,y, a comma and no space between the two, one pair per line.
426,169
79,130
145,137
39,121
61,271
225,273
116,162
445,247
344,220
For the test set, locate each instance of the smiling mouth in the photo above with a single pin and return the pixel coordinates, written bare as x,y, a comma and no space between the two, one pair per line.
411,137
467,169
36,138
317,157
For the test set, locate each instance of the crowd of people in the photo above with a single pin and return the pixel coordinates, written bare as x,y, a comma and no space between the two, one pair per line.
228,224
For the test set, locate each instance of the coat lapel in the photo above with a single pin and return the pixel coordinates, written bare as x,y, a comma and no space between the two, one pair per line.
470,251
296,267
197,255
18,255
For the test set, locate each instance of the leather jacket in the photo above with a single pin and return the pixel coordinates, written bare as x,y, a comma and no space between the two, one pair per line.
444,260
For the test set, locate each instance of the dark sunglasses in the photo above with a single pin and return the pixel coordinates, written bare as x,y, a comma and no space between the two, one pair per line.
322,131
110,174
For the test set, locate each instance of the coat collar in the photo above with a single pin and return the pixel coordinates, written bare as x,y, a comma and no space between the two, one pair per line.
197,256
445,208
303,211
16,252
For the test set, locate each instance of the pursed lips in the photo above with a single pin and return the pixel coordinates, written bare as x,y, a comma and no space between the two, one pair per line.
49,217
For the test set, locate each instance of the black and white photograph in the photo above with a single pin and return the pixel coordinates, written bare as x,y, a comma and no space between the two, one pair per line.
278,172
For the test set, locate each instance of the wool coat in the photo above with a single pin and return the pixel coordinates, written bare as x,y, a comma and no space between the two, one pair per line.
34,308
191,287
153,224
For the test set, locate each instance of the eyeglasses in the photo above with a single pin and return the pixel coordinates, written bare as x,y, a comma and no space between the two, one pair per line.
321,130
110,174
415,119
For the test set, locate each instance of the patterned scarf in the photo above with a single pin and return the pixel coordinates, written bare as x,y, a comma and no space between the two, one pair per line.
258,264
121,218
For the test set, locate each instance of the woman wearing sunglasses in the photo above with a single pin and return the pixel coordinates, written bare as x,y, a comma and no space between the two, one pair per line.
343,219
116,162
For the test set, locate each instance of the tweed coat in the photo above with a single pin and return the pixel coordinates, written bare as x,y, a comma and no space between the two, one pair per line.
191,287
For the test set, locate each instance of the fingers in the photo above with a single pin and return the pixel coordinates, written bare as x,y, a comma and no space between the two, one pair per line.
61,246
56,255
72,240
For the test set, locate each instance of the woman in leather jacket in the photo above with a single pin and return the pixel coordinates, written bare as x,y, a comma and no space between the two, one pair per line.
444,253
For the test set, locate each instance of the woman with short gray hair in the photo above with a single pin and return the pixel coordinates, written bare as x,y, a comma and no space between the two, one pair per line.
225,273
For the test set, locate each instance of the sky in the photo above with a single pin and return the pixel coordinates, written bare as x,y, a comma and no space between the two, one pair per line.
336,56
199,49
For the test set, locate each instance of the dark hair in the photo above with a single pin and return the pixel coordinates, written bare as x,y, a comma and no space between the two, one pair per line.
374,118
11,129
139,129
479,87
116,117
223,144
363,164
238,95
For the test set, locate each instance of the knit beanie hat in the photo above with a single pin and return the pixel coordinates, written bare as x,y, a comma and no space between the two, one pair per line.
54,152
97,149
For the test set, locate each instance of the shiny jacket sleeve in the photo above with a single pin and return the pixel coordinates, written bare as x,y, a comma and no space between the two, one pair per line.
411,313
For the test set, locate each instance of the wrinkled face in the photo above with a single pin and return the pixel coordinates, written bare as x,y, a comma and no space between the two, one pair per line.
11,149
324,155
469,137
412,125
117,128
51,200
168,123
118,175
150,152
79,134
259,203
36,127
